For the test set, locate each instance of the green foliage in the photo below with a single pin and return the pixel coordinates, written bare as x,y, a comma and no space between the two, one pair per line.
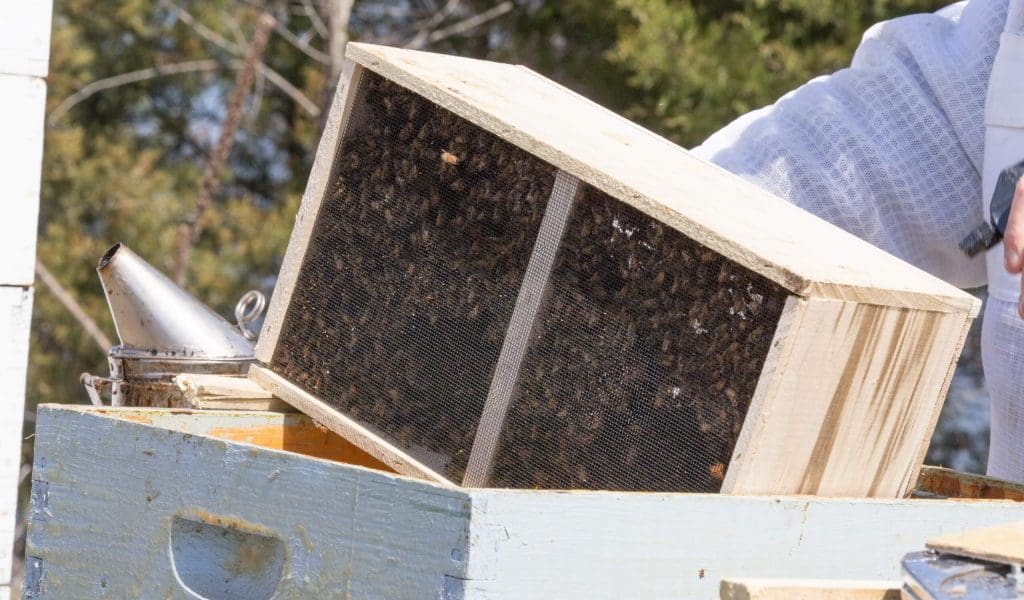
125,163
695,65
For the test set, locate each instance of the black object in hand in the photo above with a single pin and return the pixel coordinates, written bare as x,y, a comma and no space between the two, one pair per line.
990,233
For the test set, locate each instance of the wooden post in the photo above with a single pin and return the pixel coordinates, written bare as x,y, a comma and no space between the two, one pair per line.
24,60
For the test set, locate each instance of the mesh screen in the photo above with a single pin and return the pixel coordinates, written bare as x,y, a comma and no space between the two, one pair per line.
641,363
412,271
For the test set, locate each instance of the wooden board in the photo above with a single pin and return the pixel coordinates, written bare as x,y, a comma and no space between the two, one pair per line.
25,37
362,437
718,209
947,483
372,535
15,319
21,161
334,128
1002,544
808,589
221,392
845,401
120,492
290,432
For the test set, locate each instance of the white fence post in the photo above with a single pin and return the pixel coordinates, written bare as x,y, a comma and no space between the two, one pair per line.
24,60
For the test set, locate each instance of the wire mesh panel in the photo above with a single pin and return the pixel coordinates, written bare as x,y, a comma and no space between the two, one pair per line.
492,287
642,360
411,275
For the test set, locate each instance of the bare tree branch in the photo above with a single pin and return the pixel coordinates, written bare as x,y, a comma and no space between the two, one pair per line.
428,26
338,14
205,32
73,307
314,18
272,76
131,77
290,90
465,25
188,234
301,45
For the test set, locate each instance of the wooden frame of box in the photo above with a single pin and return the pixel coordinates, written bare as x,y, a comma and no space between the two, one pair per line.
863,352
163,503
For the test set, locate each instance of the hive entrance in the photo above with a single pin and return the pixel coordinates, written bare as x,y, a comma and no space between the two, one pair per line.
448,276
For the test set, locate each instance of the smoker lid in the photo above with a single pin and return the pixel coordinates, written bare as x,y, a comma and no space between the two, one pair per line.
155,316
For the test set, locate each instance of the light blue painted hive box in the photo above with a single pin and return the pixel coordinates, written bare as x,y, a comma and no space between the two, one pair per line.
160,503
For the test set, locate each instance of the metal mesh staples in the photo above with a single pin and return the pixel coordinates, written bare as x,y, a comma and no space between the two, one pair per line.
642,360
412,272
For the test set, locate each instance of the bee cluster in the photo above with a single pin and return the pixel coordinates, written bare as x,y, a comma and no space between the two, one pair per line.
642,363
412,273
642,359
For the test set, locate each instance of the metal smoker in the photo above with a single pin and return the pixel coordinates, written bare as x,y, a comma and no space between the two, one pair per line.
165,331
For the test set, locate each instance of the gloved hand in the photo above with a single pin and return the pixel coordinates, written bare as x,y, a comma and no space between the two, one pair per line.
1013,240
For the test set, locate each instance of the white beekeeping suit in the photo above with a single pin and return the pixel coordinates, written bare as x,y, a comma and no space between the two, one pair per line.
894,150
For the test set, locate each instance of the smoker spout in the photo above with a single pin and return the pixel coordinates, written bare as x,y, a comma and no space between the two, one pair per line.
153,315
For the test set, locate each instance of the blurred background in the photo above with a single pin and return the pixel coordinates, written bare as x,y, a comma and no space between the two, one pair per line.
138,95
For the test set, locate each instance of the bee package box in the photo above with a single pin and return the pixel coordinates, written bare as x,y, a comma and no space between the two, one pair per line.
494,282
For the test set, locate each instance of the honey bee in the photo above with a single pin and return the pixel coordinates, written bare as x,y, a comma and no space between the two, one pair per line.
717,471
449,158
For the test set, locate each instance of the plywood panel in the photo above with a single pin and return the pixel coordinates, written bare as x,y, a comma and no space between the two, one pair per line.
1002,544
720,210
848,398
802,589
21,158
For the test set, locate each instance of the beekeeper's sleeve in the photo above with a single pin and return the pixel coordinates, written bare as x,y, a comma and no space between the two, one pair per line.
891,150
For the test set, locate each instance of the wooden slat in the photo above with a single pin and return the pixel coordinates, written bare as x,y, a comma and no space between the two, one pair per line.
352,431
305,219
291,432
529,544
813,589
848,396
21,161
1001,544
947,483
15,319
220,392
718,209
25,37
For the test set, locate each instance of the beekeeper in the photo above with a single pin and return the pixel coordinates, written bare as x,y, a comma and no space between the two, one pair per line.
903,149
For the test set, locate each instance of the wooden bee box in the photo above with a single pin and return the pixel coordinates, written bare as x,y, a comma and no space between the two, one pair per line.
494,282
259,505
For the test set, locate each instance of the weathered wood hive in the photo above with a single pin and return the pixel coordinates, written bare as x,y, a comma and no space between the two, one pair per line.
494,282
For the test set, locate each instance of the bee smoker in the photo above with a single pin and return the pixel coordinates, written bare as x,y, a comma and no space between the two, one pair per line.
165,331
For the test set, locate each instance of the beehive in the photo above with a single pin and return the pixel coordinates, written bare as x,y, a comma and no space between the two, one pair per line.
494,282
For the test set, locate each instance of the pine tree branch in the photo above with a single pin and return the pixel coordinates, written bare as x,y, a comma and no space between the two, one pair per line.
131,77
73,307
188,234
